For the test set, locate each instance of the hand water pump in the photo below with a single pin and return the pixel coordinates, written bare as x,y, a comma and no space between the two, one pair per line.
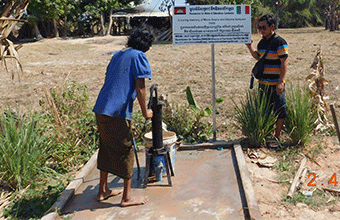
157,149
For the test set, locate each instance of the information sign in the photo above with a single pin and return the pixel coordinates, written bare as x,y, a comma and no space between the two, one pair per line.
211,24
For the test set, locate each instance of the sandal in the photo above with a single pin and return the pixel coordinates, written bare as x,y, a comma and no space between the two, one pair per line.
274,143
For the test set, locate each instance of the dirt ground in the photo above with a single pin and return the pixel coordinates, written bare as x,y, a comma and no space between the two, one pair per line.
270,193
52,63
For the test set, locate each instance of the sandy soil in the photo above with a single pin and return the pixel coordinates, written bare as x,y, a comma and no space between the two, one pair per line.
52,63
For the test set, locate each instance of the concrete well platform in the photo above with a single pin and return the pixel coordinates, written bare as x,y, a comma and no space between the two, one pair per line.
207,185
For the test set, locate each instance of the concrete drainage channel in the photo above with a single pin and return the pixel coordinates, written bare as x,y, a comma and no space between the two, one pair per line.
64,198
208,183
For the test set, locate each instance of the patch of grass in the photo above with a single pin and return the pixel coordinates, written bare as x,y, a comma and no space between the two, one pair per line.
286,166
282,166
34,203
318,199
315,150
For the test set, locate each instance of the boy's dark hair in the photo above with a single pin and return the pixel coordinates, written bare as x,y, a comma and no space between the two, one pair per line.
140,39
269,19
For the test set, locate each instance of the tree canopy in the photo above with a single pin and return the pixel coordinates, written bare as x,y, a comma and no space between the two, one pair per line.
71,16
56,18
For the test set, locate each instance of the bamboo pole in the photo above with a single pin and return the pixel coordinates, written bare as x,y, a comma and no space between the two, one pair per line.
331,190
304,175
335,120
296,178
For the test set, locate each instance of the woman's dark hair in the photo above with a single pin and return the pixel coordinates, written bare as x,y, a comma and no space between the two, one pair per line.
268,18
140,39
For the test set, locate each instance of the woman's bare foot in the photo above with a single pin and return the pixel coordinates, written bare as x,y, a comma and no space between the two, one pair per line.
108,193
134,200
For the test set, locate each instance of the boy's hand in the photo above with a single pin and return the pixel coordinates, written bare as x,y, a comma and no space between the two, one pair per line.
280,88
148,114
249,44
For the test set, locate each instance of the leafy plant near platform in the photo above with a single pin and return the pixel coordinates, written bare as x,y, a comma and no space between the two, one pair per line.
22,151
57,141
198,129
188,125
256,117
180,120
301,115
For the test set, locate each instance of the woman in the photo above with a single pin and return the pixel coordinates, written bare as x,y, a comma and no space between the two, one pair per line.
125,80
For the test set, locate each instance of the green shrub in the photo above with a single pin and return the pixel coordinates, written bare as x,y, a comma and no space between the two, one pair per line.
301,115
22,151
179,120
256,117
75,141
188,125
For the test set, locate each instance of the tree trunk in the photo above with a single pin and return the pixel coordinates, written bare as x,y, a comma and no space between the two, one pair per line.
37,33
102,22
332,28
334,19
327,22
55,28
110,23
65,26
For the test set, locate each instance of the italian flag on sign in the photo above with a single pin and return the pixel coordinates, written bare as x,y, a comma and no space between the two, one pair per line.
246,9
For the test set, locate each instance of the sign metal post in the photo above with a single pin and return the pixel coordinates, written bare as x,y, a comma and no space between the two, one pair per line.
213,90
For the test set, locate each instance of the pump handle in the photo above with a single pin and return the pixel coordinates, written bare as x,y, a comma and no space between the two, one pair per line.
154,87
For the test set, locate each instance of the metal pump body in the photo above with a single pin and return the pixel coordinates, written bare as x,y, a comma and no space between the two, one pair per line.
157,132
